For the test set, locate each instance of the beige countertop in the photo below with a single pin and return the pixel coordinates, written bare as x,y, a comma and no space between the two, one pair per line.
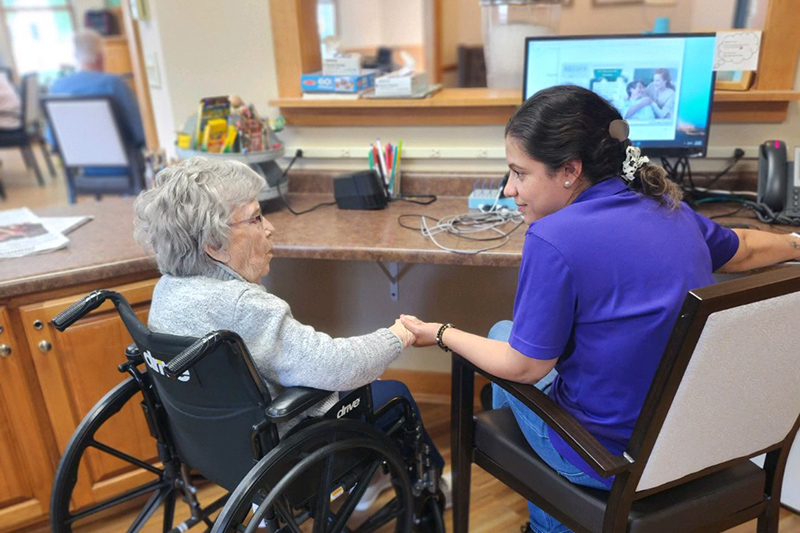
105,248
101,249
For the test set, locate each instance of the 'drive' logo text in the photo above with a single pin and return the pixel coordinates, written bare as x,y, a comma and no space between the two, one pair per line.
347,408
158,366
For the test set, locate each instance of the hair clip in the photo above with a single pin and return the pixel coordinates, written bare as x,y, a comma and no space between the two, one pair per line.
619,129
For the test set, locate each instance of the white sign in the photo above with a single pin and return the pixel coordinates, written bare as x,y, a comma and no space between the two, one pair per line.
737,50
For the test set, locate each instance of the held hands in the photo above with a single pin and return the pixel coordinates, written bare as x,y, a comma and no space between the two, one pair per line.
424,332
406,337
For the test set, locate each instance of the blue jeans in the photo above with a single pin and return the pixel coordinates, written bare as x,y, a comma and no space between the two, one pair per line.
385,390
535,431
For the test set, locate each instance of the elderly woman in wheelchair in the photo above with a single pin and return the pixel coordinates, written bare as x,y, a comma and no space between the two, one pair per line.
235,389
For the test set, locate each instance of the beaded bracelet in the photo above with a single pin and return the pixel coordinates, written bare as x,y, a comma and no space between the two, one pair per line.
439,334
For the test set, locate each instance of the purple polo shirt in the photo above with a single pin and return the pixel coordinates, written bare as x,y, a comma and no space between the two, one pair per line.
600,286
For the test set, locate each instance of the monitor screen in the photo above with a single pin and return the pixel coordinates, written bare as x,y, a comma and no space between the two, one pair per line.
663,85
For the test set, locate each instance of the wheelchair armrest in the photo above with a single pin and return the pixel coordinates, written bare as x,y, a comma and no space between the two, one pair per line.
294,401
88,303
584,443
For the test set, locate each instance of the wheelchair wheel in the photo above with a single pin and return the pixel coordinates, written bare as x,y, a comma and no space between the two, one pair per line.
318,476
159,490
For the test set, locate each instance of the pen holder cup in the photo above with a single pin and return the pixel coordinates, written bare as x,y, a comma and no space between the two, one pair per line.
394,184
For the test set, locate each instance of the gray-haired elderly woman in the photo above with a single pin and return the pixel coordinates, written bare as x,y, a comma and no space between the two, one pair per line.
213,247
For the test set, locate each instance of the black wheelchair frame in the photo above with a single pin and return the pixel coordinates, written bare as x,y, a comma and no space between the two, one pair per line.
317,472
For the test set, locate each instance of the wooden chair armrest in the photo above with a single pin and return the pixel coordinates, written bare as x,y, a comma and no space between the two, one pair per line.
576,436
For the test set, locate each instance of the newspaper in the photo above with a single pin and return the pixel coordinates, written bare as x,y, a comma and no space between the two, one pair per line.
64,225
23,233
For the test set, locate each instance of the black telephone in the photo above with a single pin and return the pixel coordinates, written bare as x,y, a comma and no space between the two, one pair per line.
778,180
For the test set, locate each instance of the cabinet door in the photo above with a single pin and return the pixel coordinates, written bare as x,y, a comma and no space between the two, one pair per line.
26,471
116,57
77,368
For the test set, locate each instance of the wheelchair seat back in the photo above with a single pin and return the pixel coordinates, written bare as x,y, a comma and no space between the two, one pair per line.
211,408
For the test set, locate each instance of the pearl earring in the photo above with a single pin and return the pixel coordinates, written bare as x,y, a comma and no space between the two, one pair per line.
566,184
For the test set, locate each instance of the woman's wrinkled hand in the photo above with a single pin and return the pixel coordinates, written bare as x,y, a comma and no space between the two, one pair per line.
405,336
425,332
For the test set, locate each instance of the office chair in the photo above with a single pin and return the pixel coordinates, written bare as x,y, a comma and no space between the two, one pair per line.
725,391
88,135
30,130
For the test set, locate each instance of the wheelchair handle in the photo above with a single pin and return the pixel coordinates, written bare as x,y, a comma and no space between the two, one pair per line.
88,303
199,349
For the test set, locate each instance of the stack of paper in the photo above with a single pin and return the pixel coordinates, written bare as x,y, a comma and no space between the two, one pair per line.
23,233
406,85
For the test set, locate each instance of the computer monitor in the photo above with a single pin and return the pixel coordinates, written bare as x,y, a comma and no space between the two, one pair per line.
628,70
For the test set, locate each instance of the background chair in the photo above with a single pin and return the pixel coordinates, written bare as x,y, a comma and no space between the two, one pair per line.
8,73
31,129
471,66
88,135
725,391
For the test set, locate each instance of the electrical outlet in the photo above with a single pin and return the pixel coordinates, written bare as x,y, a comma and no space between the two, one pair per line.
435,153
483,154
344,153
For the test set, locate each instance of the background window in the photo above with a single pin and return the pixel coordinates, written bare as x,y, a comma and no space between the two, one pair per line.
40,33
326,20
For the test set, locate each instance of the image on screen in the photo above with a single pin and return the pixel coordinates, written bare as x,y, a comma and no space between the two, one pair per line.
663,85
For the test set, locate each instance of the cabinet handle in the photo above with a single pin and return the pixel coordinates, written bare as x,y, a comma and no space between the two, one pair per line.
45,346
38,324
5,350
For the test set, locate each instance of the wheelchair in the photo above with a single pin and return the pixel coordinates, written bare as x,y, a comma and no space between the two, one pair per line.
211,418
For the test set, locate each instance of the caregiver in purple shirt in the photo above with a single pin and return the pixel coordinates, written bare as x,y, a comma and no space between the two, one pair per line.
609,256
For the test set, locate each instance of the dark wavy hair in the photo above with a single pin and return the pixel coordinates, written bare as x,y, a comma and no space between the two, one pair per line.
567,122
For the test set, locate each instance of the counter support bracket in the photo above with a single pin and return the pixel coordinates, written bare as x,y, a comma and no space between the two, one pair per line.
393,272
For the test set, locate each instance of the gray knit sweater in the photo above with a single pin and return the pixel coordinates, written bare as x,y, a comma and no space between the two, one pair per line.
286,352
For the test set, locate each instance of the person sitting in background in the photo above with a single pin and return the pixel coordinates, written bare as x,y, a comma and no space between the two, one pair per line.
212,245
91,80
609,256
10,111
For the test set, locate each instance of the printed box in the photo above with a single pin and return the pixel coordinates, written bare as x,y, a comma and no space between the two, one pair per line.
318,82
343,65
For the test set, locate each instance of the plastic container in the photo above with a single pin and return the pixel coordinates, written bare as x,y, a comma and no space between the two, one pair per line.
506,24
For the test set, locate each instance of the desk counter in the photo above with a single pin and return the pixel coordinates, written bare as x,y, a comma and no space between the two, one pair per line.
105,249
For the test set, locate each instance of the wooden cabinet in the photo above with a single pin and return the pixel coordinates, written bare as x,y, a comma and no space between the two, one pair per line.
66,373
25,464
117,58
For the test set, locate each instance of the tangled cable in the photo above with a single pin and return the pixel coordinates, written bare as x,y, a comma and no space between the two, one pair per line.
468,226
